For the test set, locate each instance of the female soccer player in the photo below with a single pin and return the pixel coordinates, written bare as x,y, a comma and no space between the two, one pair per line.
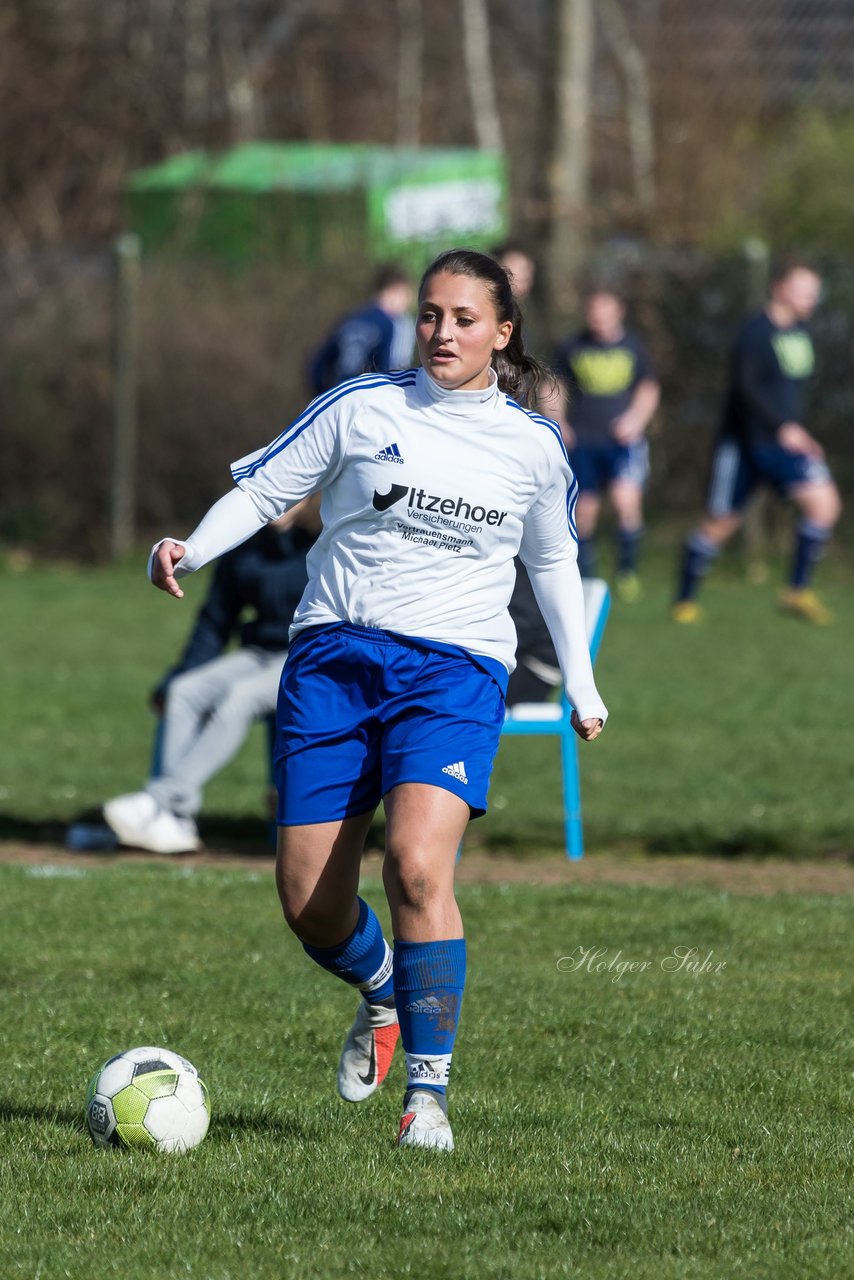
432,480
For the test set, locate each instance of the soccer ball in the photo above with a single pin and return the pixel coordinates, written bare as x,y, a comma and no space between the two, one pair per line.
147,1097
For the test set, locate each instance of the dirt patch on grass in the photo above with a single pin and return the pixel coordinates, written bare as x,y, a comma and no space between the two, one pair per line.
742,875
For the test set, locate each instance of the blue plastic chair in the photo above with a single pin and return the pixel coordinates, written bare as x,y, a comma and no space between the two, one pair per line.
555,718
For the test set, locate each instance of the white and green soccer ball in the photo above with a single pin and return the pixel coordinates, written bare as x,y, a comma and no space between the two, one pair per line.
147,1097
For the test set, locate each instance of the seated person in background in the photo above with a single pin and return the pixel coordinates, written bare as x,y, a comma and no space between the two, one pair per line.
211,698
537,674
610,393
378,337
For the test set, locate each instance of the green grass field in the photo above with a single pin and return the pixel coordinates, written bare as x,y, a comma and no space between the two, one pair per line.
733,737
661,1124
665,1123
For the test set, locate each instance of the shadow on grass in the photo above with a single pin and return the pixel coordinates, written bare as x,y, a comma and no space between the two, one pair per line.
243,836
61,1116
253,837
688,840
222,1125
289,1127
32,831
732,844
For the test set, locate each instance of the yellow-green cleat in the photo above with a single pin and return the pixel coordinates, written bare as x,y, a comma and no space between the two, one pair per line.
628,587
686,612
802,602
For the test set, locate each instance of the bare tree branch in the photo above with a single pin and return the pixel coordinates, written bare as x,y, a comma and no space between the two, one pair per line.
639,106
197,62
410,77
476,48
569,174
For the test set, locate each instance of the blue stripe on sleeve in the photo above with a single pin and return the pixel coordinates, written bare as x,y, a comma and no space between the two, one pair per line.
571,496
295,429
544,422
572,488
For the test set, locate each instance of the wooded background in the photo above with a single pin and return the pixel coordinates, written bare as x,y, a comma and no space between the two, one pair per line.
656,137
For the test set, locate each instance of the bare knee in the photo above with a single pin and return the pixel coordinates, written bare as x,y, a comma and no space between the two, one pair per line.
587,514
296,908
316,924
627,500
409,881
315,914
295,901
719,529
821,504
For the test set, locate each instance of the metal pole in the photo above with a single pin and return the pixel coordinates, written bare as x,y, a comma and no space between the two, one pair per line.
757,527
123,477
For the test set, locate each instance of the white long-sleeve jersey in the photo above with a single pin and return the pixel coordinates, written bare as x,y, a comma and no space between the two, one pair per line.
427,496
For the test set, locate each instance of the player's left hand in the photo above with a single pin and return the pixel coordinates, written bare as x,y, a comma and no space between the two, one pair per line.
586,729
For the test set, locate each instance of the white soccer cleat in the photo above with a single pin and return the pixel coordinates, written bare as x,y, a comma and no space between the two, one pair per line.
368,1050
424,1123
138,821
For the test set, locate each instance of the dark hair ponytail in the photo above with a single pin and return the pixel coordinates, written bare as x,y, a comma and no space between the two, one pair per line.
519,374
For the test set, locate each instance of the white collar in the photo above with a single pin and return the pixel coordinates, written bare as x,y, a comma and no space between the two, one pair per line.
462,402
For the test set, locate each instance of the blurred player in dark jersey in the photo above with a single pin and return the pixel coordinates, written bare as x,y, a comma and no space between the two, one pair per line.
374,339
610,395
537,673
762,440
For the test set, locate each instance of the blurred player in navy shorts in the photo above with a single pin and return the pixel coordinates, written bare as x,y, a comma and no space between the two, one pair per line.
762,440
610,395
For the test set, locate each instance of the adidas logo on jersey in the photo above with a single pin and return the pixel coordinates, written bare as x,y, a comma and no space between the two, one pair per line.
390,453
457,771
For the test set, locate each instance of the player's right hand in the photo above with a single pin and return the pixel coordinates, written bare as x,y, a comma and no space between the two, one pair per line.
163,564
794,438
588,729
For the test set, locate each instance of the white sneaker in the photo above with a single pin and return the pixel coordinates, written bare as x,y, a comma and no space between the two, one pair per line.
368,1050
169,833
138,821
129,815
424,1123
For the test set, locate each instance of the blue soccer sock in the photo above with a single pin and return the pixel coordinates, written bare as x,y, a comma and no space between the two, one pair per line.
364,959
810,542
429,978
697,557
628,549
587,557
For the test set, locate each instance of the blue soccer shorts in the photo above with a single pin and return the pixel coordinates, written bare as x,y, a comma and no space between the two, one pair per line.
361,711
596,466
738,469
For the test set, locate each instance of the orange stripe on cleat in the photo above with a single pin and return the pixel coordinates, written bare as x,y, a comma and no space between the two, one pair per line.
385,1039
405,1122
